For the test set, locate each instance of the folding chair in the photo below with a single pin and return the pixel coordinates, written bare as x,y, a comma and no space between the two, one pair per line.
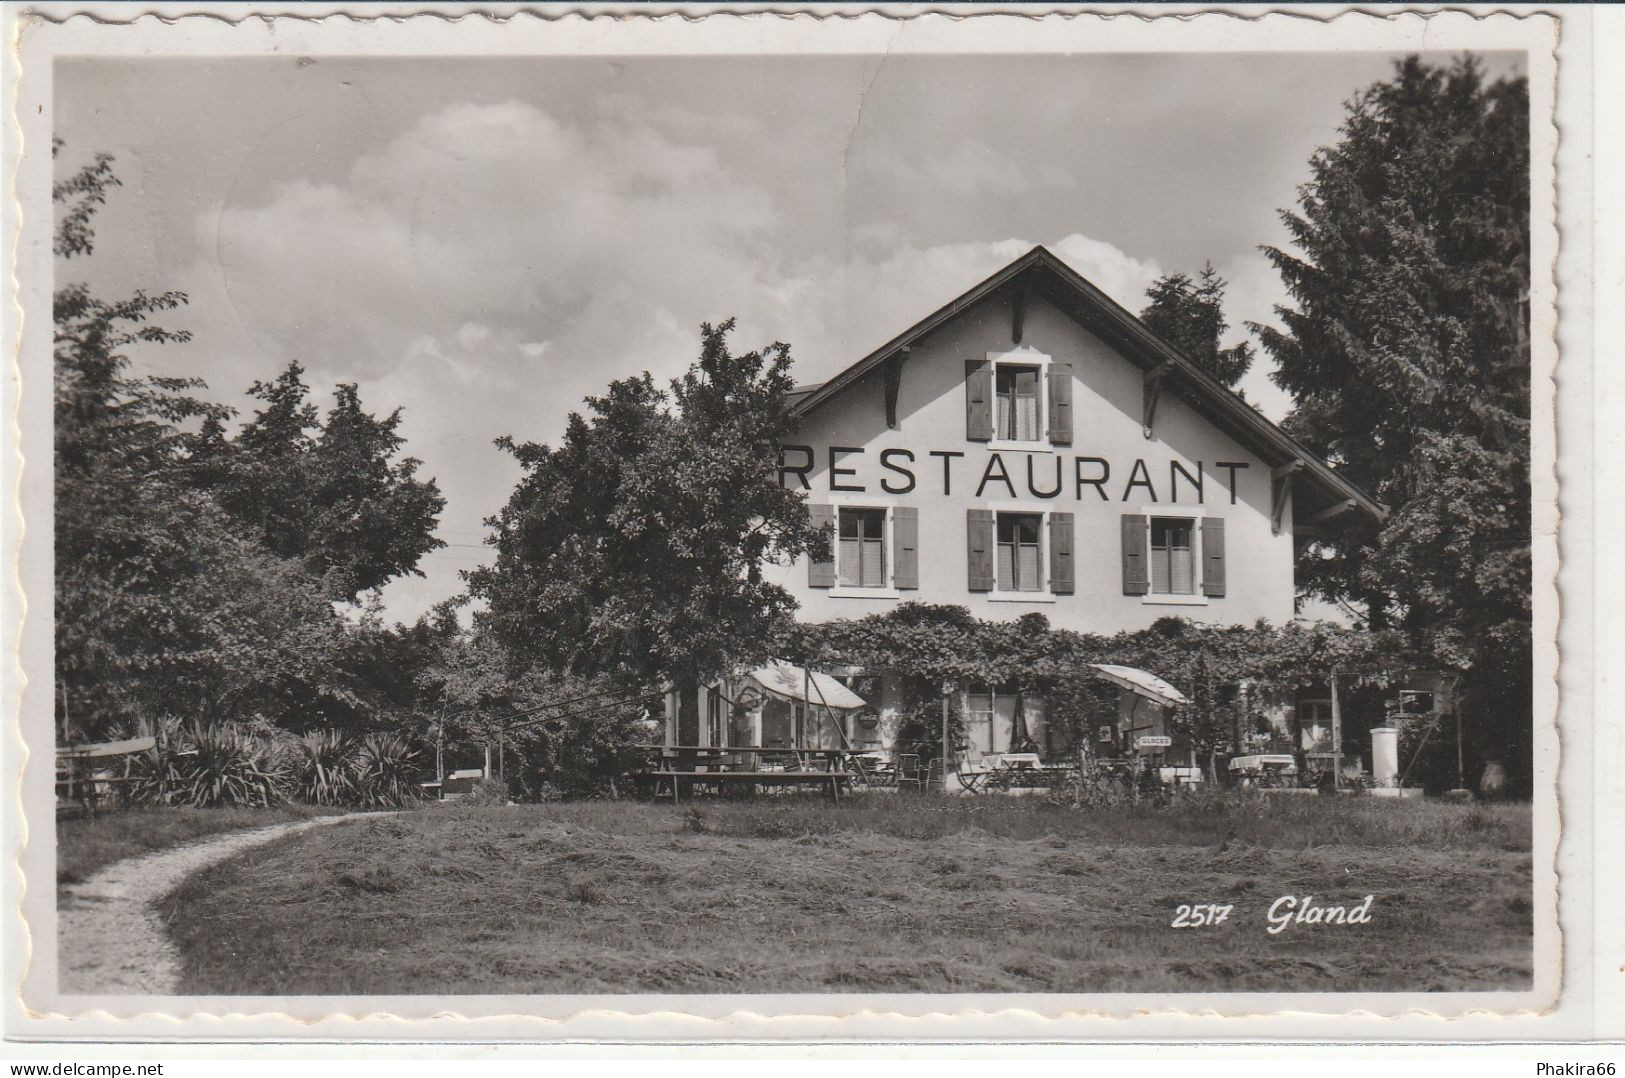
908,772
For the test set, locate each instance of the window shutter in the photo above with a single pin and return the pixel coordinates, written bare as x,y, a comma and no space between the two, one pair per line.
1060,553
979,533
1136,536
978,400
905,530
1213,556
1060,403
821,574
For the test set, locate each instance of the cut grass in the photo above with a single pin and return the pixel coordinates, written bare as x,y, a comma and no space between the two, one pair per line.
87,843
881,894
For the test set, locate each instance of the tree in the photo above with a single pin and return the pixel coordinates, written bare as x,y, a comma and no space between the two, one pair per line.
1190,316
161,606
325,492
1407,357
634,550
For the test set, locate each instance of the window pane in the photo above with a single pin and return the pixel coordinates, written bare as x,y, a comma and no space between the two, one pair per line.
849,559
1027,566
1007,566
1182,569
1026,419
1016,415
1159,569
1173,558
874,564
874,523
849,524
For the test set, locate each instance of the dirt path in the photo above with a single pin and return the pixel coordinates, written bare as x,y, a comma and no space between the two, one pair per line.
110,940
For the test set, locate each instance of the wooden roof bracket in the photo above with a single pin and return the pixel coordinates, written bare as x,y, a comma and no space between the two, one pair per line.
1335,511
1280,488
1018,307
1152,392
894,382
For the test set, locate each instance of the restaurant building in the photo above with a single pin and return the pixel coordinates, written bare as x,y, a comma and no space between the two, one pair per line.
1031,447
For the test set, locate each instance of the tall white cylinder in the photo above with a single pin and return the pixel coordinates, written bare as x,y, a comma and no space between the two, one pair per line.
1385,756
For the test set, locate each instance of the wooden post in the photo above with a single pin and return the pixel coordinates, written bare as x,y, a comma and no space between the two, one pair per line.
1337,737
946,688
487,759
1455,705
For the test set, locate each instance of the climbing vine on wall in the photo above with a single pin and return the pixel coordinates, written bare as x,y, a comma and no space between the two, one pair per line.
928,644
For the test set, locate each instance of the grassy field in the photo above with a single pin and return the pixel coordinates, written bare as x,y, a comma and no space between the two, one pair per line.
84,844
883,893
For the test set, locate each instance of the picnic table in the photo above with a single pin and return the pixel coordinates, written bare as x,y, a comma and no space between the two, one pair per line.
680,768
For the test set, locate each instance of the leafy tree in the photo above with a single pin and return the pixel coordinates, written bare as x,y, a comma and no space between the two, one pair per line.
326,492
1189,314
1407,356
161,606
166,604
634,550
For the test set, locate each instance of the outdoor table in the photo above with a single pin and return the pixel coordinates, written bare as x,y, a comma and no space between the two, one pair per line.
806,767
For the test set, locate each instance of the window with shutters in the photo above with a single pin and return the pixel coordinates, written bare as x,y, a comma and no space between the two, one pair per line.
1018,552
860,556
1017,398
1173,560
1020,400
1016,555
1173,556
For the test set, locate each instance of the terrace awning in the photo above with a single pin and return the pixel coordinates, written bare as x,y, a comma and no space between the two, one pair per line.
793,683
1140,683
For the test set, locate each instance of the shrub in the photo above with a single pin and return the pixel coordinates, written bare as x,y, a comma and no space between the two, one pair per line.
488,791
221,765
324,768
384,773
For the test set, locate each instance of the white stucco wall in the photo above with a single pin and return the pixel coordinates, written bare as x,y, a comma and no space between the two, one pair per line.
1107,391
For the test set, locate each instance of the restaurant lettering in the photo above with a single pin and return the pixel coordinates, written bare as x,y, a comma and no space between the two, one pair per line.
853,470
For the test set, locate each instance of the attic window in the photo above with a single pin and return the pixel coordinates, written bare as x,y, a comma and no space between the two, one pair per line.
1017,395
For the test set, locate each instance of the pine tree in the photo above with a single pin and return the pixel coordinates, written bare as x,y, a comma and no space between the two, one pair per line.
326,491
1190,316
1407,357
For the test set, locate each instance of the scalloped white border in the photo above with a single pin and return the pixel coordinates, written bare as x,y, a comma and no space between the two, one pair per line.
33,1010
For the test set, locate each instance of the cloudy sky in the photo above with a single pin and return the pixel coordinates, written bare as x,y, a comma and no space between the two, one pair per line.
484,242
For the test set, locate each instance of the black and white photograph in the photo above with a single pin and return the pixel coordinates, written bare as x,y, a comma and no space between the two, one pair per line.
719,513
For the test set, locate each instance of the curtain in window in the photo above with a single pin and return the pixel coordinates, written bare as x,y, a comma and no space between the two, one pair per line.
1027,565
1173,559
872,564
979,722
1016,409
1018,568
1026,406
861,553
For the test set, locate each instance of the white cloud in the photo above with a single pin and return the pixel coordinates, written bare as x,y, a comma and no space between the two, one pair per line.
968,167
493,265
1254,289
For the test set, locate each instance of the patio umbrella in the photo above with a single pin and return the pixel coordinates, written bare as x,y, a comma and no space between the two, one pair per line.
1140,683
